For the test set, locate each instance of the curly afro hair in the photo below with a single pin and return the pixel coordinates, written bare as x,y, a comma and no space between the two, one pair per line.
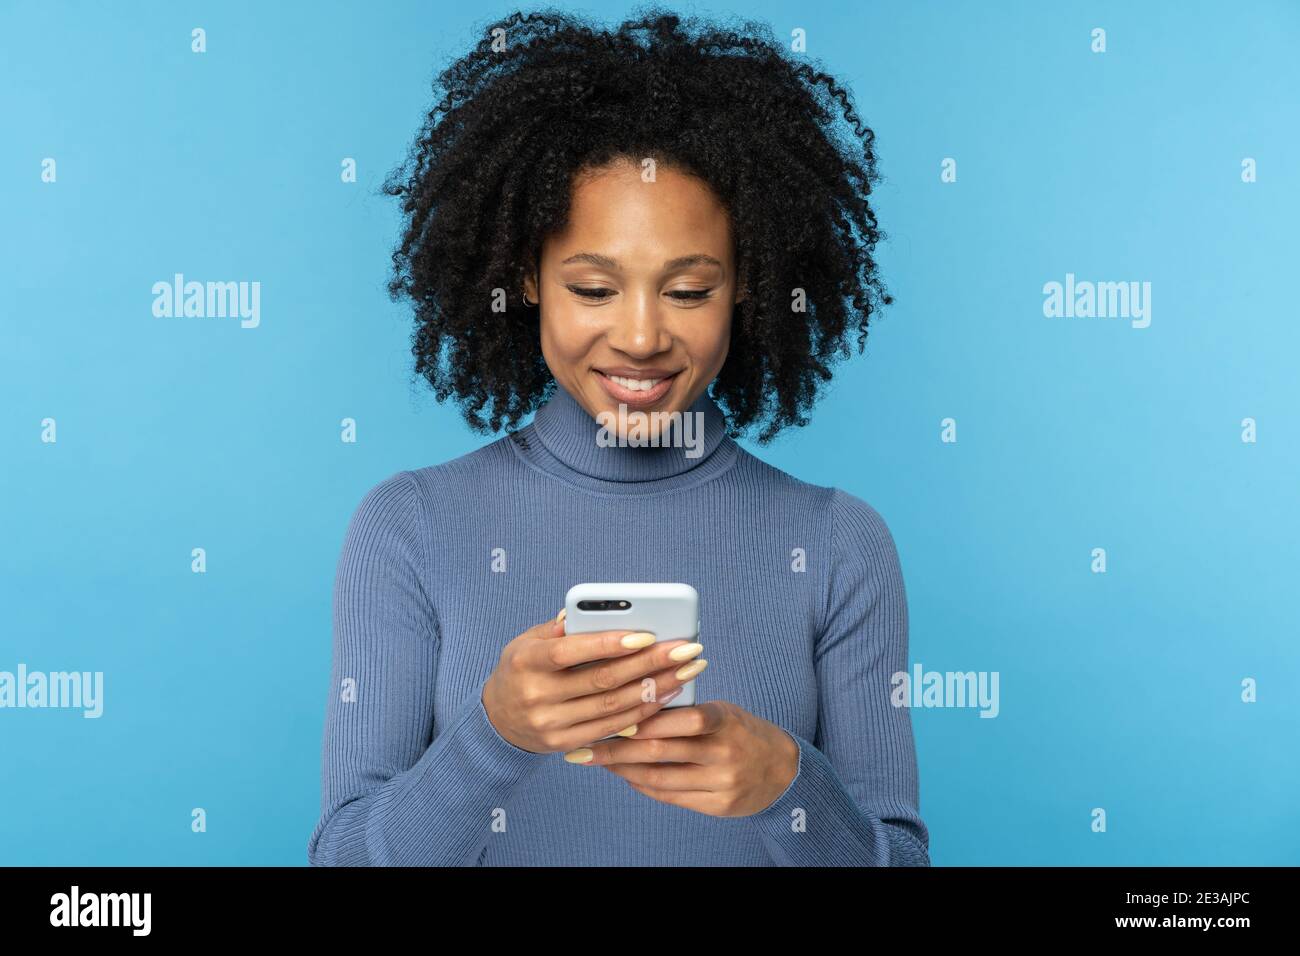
545,96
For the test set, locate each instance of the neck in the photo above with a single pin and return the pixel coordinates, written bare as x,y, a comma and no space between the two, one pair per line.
694,444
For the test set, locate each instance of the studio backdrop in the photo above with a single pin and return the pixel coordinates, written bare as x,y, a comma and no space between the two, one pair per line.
1079,417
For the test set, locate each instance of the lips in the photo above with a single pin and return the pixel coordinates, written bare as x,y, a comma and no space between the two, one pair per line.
636,387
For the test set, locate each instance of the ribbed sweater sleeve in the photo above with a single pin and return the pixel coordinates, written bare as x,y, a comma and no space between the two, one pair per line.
392,793
854,800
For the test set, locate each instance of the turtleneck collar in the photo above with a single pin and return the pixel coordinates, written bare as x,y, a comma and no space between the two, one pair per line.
570,441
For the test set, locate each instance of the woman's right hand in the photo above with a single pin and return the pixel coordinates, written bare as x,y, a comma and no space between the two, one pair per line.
536,702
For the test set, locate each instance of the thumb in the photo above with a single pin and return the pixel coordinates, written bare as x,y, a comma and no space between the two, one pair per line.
557,625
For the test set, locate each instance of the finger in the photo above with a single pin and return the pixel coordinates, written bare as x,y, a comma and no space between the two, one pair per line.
598,677
628,724
577,649
557,626
630,750
700,801
584,733
651,672
637,699
693,721
668,776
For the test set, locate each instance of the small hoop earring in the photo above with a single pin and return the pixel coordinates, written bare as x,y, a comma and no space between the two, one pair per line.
527,304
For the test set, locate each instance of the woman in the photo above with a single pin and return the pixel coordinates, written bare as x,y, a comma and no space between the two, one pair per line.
660,218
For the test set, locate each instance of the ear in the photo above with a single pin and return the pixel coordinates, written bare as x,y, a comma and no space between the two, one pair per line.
531,271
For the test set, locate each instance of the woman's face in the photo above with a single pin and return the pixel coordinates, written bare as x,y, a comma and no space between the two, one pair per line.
636,294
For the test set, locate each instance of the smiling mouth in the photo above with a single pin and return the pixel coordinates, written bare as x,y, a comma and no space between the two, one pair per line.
642,389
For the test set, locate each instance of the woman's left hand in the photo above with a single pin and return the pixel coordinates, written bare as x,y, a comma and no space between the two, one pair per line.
729,763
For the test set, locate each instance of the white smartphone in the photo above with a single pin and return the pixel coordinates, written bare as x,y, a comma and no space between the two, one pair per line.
668,611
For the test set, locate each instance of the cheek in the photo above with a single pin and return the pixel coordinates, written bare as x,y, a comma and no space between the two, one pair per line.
709,341
562,337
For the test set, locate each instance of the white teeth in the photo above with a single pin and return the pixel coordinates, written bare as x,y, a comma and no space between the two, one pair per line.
635,384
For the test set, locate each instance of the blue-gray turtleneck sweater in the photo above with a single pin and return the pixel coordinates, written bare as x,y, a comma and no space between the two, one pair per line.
804,621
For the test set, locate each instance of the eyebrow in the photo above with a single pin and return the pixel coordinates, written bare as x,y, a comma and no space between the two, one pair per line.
681,262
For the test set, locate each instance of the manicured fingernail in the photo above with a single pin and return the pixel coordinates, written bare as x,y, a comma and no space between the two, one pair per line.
685,652
691,669
670,695
560,617
581,755
628,732
639,639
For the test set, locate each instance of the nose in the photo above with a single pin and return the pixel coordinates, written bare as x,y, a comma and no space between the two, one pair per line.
638,328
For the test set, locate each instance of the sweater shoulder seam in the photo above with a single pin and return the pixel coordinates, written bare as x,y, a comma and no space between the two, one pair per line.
435,630
831,496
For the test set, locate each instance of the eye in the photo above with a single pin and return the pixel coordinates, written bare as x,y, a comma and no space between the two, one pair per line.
590,292
687,295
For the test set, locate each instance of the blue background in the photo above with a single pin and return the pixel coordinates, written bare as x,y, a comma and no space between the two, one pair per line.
1118,690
